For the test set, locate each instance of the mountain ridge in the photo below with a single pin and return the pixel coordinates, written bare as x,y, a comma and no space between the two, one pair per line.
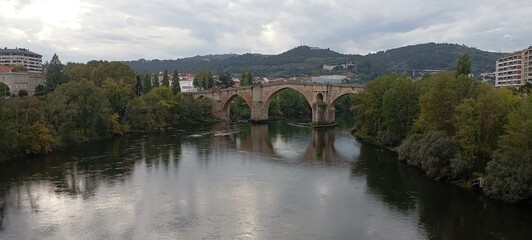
305,60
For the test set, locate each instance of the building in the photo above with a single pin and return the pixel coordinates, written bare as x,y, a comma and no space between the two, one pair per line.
329,79
514,69
527,65
17,81
187,86
21,56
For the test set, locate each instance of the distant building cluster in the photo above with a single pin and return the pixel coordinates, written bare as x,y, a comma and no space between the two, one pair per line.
18,80
514,69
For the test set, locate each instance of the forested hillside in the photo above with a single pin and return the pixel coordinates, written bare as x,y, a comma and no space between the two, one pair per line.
304,60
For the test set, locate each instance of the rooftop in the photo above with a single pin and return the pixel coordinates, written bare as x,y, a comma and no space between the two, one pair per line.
4,69
21,51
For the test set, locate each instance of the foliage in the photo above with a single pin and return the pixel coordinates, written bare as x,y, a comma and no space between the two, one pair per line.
203,79
467,137
4,90
54,74
166,80
146,83
464,65
176,87
509,174
387,109
461,128
98,71
22,93
305,61
438,104
40,90
99,100
226,81
246,78
155,81
239,109
20,68
432,151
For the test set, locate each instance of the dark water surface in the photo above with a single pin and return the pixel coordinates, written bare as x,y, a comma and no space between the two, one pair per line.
276,181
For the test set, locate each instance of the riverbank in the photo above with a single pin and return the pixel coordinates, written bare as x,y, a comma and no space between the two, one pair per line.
473,184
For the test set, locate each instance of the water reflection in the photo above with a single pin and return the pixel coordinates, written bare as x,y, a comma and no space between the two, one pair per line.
274,181
445,212
287,142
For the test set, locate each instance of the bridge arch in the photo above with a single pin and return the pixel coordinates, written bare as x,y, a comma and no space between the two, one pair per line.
226,103
269,97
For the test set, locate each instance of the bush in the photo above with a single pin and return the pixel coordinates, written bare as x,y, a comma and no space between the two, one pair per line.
432,152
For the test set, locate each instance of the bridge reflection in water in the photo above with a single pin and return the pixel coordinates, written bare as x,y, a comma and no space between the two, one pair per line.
294,147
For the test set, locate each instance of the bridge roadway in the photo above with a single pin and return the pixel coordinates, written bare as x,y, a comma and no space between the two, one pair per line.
320,96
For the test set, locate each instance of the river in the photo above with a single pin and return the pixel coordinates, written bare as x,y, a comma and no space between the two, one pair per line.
274,181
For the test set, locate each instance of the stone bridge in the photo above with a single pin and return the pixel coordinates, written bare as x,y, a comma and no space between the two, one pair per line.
321,97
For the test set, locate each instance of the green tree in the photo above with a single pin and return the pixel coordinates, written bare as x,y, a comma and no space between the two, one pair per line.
166,80
155,80
22,93
176,87
387,109
79,110
509,174
226,80
138,86
246,78
203,79
146,84
4,91
40,90
54,74
464,65
438,104
467,124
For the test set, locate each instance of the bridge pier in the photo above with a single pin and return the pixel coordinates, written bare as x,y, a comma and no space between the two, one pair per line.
323,115
218,111
258,112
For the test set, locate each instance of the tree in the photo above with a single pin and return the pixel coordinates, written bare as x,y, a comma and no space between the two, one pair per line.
226,80
146,84
464,65
246,78
40,90
138,87
22,93
204,79
166,81
176,87
155,81
54,74
509,174
467,124
4,91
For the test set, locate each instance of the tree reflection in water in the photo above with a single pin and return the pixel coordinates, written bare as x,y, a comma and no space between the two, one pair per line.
445,211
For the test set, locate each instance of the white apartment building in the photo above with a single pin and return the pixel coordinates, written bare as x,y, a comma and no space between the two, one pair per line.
21,56
514,69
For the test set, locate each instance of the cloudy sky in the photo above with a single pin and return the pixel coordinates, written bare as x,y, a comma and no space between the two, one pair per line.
82,30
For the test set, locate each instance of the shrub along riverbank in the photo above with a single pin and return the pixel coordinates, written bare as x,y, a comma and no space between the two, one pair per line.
454,128
83,102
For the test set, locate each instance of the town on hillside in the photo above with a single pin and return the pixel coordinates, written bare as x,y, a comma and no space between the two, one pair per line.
23,71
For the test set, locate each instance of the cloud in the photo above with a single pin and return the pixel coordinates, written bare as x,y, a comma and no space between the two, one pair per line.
81,30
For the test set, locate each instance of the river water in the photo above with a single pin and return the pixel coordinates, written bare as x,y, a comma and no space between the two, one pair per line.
274,181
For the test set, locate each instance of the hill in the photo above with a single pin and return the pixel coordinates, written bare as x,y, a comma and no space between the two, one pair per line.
304,60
